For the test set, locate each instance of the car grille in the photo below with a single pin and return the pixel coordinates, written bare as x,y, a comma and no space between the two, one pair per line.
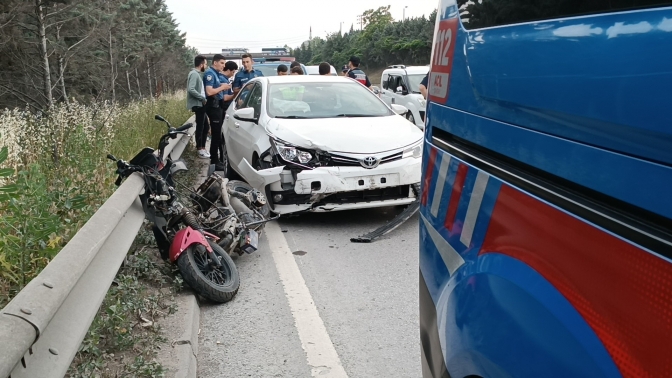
395,192
346,161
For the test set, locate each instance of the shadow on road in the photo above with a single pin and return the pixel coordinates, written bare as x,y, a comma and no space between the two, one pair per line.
366,218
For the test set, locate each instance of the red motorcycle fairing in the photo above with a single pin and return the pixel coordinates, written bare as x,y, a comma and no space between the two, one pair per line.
185,238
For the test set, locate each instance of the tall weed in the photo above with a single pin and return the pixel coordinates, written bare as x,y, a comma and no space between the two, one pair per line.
58,174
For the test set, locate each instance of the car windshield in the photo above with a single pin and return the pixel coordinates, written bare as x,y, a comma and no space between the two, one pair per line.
323,100
270,69
312,70
414,82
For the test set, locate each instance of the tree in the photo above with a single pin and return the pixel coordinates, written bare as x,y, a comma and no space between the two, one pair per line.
53,50
382,42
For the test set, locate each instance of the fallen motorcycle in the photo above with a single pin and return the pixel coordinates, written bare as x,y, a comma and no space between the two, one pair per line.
222,219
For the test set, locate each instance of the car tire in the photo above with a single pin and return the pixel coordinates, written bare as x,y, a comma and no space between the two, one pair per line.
228,171
410,117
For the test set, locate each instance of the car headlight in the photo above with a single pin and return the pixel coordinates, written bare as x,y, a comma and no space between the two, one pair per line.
414,151
292,154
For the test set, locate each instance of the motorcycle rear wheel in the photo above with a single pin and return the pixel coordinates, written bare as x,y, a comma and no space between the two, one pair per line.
218,285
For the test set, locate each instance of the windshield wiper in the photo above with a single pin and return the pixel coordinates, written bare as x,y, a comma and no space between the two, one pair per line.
354,115
292,117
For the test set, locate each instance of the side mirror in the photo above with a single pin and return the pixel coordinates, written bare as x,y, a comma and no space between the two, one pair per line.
245,114
399,109
402,90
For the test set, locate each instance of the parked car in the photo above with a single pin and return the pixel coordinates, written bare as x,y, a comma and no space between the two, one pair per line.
401,85
315,70
271,69
321,143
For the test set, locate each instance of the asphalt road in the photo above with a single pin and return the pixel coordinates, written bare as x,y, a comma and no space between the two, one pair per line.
311,303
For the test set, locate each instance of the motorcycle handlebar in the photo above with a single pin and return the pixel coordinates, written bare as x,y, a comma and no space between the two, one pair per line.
184,127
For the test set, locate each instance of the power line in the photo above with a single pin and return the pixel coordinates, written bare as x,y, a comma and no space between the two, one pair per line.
247,45
248,41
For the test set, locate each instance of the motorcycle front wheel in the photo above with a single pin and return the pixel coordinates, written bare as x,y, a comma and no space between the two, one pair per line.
217,284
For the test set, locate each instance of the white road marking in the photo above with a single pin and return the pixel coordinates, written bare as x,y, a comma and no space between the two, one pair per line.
474,207
440,182
320,352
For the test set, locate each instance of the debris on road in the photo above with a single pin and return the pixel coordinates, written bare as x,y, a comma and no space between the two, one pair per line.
389,227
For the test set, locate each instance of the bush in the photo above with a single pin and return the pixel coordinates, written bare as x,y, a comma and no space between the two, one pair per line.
55,174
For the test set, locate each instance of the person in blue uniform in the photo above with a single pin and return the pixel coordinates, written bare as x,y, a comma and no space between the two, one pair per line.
424,85
246,74
214,90
225,76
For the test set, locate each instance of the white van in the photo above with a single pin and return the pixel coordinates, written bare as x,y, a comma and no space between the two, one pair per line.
401,85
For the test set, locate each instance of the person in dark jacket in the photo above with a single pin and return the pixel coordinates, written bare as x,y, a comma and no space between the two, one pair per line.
357,74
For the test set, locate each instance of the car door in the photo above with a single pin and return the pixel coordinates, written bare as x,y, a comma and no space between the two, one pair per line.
248,134
392,84
385,94
232,137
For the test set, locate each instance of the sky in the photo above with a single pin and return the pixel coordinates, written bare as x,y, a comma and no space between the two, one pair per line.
215,24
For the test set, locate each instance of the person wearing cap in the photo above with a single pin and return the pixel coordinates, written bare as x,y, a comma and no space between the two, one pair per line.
357,74
345,70
246,74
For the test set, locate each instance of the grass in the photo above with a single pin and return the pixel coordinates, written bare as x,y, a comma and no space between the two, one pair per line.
53,176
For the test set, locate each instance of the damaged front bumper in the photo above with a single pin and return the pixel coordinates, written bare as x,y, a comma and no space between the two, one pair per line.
336,188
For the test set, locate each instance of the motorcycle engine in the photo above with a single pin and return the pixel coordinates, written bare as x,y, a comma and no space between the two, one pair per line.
206,195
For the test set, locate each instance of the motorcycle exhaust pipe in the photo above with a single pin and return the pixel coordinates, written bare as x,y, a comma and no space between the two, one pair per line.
239,206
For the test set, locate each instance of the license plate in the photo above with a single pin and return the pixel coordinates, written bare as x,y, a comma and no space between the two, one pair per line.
372,182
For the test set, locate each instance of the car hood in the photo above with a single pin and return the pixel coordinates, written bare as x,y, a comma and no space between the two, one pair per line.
358,135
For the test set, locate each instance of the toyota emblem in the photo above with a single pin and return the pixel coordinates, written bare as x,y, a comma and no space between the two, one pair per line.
370,162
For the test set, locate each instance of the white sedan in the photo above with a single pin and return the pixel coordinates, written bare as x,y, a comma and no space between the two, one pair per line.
321,143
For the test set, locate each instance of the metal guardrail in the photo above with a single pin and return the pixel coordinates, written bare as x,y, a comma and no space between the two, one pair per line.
42,328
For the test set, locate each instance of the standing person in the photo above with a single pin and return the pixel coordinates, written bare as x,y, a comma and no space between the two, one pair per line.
228,70
357,74
296,64
226,76
246,74
283,70
325,69
214,89
296,71
196,103
424,86
345,70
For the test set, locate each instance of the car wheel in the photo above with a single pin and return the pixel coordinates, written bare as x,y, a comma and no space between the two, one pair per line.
228,171
410,118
